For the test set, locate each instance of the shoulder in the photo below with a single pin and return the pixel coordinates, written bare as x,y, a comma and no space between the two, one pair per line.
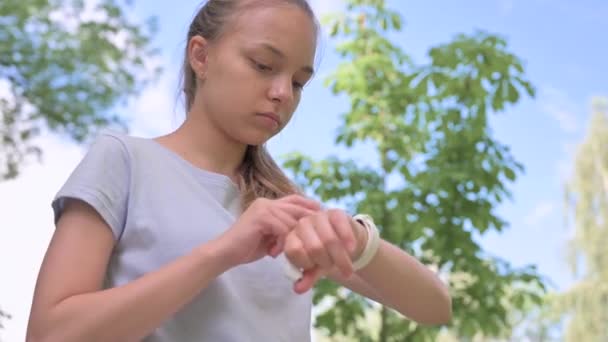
113,140
114,143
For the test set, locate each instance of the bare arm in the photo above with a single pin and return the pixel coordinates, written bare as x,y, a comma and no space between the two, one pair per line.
69,304
322,244
399,281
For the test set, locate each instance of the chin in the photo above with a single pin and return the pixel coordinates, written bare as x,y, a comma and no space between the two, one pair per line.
256,138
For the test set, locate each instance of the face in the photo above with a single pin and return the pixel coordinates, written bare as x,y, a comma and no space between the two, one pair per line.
255,71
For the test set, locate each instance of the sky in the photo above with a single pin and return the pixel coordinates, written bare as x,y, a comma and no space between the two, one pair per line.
559,41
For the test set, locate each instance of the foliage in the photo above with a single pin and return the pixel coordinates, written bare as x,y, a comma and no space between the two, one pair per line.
439,174
64,67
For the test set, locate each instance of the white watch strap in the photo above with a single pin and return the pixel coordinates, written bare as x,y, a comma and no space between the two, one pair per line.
373,241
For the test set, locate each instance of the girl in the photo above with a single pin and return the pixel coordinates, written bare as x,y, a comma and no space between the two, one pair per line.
184,237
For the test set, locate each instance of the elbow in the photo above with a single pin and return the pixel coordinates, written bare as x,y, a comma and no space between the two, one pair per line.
39,334
442,310
34,332
444,315
42,328
435,311
47,335
45,331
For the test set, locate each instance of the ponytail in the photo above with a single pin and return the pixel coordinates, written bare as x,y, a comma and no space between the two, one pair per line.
260,176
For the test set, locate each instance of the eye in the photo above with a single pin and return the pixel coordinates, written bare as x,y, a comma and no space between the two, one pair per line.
261,67
298,85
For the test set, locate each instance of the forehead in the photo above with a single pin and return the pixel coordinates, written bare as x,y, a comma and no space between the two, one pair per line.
285,26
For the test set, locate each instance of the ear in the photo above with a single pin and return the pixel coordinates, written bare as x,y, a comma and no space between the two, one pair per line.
198,55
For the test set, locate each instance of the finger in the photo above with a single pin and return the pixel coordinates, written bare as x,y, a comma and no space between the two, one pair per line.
313,245
277,239
282,214
334,246
295,253
285,214
276,248
291,213
276,230
308,280
270,243
302,201
343,228
272,224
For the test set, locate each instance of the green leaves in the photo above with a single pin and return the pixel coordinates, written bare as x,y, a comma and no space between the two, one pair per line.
66,71
480,72
440,172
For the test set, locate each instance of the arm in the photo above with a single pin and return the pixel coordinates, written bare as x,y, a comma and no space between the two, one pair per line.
399,281
327,242
69,304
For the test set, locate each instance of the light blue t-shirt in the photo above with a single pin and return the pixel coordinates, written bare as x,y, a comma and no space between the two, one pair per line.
160,207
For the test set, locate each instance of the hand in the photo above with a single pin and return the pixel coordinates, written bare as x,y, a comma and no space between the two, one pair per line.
261,230
322,243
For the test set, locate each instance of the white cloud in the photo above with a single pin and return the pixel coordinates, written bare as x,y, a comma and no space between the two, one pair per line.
158,109
541,211
560,107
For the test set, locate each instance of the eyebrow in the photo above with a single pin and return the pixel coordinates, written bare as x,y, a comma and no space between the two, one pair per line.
274,50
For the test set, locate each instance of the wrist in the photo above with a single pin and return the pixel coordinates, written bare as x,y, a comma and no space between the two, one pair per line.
219,252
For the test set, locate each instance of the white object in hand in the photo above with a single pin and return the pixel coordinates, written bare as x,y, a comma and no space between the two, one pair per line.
293,273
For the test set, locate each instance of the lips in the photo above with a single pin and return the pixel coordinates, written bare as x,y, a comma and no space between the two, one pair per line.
272,116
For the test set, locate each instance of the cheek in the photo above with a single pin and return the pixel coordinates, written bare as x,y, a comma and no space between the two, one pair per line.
227,91
291,110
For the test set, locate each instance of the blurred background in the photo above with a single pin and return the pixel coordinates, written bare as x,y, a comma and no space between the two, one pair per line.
477,131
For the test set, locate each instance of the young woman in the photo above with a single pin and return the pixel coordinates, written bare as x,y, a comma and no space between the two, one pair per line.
185,237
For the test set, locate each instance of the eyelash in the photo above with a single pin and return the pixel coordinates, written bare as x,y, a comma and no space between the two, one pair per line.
265,68
262,67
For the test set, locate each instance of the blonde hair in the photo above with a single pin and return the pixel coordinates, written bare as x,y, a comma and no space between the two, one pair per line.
259,175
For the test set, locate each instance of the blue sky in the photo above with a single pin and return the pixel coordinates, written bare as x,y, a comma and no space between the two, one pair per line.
559,41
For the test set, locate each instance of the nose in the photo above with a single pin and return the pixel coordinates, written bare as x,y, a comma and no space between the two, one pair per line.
281,90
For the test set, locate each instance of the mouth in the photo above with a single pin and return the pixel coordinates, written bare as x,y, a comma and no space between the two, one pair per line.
273,116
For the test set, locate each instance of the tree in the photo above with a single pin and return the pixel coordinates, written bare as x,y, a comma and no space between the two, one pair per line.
438,176
64,70
586,303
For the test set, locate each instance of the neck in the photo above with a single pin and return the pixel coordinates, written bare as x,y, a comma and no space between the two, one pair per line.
204,145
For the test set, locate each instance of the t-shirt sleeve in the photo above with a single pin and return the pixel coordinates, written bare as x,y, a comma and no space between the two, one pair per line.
102,180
